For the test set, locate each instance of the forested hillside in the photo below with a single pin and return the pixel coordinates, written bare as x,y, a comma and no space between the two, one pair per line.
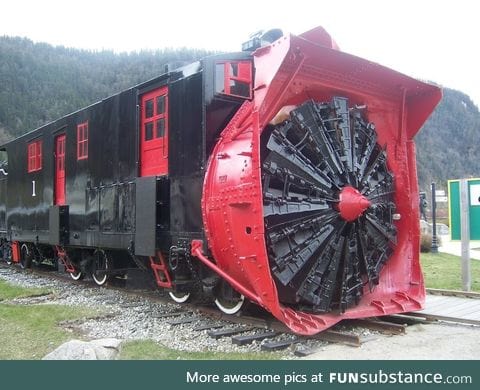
39,83
448,145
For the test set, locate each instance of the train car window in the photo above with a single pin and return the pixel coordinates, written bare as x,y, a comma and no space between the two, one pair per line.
34,155
160,127
234,78
149,108
155,117
148,131
82,141
160,104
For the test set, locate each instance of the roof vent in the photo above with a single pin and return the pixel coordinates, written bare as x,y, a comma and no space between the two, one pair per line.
262,38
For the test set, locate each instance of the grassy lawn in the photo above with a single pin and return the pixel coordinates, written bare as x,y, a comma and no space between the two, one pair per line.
443,271
32,331
149,350
8,291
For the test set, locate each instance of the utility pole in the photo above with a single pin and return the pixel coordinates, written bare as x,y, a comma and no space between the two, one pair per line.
434,221
465,234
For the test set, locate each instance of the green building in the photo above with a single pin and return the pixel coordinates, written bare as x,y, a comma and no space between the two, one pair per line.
473,208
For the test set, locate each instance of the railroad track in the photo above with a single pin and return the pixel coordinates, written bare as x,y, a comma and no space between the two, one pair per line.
453,293
263,329
459,307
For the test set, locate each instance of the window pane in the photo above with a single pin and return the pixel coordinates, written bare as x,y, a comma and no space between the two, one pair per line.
220,78
34,156
239,88
149,108
82,141
234,69
148,131
39,156
160,104
160,128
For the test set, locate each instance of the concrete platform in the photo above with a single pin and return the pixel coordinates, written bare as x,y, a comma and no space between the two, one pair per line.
446,307
455,247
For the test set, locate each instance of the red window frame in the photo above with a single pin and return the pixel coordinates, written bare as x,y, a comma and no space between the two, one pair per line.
34,156
82,141
243,75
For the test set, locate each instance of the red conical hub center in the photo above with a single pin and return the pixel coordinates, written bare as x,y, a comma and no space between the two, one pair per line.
352,204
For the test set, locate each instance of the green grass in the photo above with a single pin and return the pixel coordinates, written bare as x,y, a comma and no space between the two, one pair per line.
444,271
149,350
32,331
7,291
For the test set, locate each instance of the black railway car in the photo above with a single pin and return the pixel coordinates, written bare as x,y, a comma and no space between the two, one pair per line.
199,176
123,175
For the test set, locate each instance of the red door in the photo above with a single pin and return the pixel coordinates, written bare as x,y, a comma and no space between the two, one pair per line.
154,133
59,196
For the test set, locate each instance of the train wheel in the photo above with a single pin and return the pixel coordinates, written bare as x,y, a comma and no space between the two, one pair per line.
101,265
76,275
179,297
228,300
230,305
25,257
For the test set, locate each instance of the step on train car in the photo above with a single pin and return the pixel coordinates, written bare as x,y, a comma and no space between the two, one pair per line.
282,175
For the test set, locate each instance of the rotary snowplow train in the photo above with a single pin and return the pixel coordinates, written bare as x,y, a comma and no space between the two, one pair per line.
283,175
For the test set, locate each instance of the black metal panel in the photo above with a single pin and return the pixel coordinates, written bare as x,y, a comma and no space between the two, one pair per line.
186,156
185,210
185,122
28,200
146,216
92,209
108,207
126,207
59,225
111,162
3,204
219,113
